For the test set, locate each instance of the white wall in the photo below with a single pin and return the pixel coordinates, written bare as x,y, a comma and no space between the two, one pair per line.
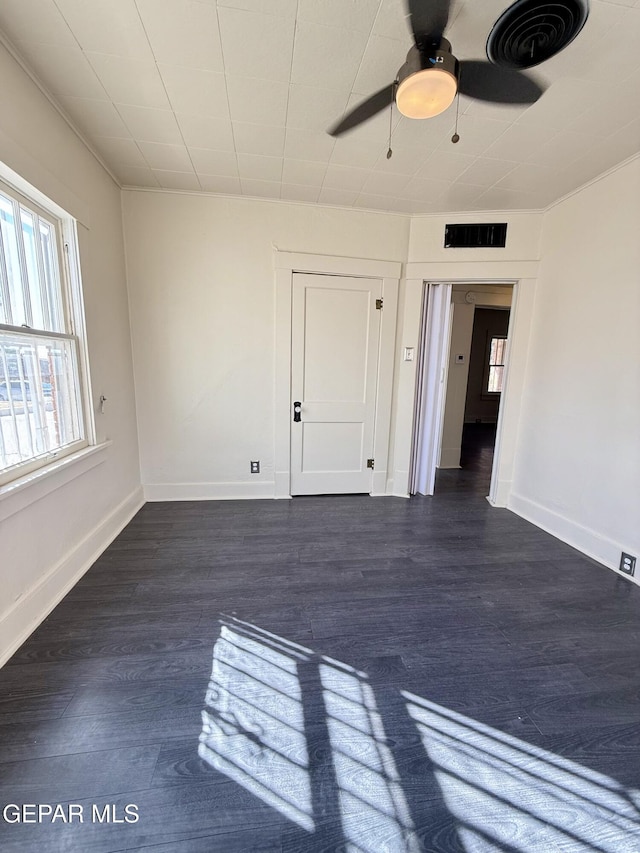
202,294
52,530
457,374
577,467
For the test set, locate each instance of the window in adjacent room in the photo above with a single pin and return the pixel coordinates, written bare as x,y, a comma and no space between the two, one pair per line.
494,365
42,414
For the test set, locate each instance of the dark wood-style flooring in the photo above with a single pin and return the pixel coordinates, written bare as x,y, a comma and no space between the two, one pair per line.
330,674
476,462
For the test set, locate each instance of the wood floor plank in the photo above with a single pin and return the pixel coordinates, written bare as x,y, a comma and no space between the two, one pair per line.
76,776
28,703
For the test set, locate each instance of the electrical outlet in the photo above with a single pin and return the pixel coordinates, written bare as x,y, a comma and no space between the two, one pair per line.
627,564
255,467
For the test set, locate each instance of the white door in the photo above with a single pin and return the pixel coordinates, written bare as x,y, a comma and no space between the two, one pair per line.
334,368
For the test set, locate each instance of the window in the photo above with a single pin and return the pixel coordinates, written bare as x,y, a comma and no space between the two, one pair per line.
495,364
41,400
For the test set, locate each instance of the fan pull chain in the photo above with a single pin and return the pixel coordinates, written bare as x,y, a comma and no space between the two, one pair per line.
456,136
393,93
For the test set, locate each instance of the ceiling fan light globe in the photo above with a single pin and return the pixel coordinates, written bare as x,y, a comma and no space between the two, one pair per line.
426,93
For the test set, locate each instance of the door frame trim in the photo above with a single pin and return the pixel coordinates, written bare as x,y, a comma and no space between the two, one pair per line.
518,272
286,264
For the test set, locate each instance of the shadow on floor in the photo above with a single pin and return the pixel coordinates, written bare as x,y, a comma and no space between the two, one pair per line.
357,764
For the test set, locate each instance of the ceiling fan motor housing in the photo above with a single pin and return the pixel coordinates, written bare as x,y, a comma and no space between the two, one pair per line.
428,81
436,55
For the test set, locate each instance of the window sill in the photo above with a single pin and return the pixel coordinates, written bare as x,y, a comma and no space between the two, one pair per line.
21,493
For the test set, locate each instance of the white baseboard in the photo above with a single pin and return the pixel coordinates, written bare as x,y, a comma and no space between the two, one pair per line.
209,491
21,620
589,542
378,484
502,494
282,485
398,484
450,457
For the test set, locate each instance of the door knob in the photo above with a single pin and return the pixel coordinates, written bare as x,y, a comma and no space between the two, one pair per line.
297,408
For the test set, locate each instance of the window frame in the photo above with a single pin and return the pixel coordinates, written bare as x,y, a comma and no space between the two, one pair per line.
486,394
72,317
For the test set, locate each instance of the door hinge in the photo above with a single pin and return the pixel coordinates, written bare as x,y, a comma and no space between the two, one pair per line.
379,304
370,463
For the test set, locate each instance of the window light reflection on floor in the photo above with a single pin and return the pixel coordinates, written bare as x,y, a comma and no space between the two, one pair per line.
253,731
503,794
252,727
374,812
504,791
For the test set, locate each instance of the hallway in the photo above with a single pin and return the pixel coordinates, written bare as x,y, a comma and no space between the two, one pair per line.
476,461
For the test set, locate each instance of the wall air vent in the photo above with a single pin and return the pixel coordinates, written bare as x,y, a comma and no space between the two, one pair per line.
482,235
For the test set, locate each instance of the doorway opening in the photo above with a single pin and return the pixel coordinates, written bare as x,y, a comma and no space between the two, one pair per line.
462,373
334,373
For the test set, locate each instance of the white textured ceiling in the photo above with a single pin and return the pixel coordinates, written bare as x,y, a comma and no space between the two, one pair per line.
235,97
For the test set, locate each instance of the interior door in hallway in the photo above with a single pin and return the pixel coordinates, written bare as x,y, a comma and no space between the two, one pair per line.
335,342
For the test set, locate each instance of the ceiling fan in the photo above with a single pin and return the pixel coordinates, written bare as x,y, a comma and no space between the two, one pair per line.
527,33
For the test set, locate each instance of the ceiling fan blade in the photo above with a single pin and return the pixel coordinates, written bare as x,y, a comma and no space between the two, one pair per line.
487,82
366,110
429,18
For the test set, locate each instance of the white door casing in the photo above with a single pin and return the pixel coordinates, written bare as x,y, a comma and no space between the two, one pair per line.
334,368
287,265
522,276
